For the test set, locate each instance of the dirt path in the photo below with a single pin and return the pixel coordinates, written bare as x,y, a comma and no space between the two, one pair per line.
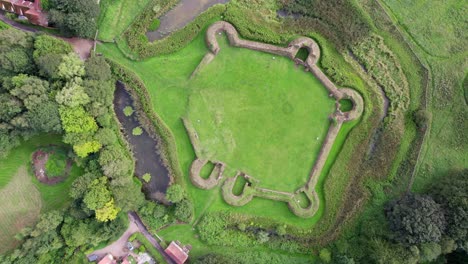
180,16
118,248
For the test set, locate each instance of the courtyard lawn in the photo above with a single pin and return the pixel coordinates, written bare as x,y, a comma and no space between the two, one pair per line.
22,195
117,15
264,117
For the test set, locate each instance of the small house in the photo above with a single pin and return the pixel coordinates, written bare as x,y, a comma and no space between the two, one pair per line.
177,252
30,9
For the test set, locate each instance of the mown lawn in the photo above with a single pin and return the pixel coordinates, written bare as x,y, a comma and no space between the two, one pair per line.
22,196
264,118
117,15
21,204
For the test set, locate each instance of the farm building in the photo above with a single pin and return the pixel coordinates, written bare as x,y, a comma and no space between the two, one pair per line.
177,252
29,9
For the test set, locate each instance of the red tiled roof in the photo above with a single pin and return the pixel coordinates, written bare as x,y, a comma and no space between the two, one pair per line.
108,259
176,253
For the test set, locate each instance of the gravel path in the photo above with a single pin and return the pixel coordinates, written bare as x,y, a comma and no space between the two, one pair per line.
118,248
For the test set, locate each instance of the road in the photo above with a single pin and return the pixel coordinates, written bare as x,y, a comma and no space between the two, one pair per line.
133,217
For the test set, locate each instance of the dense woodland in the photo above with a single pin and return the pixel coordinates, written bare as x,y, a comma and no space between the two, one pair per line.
46,88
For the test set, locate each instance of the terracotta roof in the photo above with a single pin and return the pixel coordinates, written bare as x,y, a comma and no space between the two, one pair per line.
177,254
108,259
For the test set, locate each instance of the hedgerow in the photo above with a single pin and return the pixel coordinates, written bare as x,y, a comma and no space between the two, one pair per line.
138,43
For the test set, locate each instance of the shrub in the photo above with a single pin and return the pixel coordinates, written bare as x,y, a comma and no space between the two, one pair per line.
146,177
56,164
137,131
154,25
421,118
128,111
183,210
281,230
325,255
241,227
175,193
263,237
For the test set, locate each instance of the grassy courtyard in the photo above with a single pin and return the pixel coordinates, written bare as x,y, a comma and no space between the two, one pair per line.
232,102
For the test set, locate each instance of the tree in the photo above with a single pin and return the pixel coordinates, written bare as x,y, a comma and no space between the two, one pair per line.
86,148
76,18
98,195
114,162
10,107
45,118
30,89
16,51
48,65
46,45
48,222
105,136
429,252
175,193
72,95
451,192
71,67
325,255
76,120
80,185
108,212
97,69
183,210
415,219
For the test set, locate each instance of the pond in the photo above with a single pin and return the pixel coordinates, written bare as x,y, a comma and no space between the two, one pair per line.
144,147
180,16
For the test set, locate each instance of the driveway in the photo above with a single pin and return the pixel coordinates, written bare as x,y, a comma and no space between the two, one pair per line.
118,248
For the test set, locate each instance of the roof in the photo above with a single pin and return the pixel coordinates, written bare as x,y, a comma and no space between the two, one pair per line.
108,259
125,261
177,254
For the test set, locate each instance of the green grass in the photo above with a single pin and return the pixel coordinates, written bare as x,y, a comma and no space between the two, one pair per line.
172,94
440,31
56,163
29,194
117,15
3,25
21,204
439,41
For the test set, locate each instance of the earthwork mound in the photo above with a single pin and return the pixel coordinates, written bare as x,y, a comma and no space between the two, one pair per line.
51,165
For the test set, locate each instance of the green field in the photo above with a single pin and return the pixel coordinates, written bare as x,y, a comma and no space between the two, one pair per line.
440,40
22,195
116,16
439,32
261,115
250,94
